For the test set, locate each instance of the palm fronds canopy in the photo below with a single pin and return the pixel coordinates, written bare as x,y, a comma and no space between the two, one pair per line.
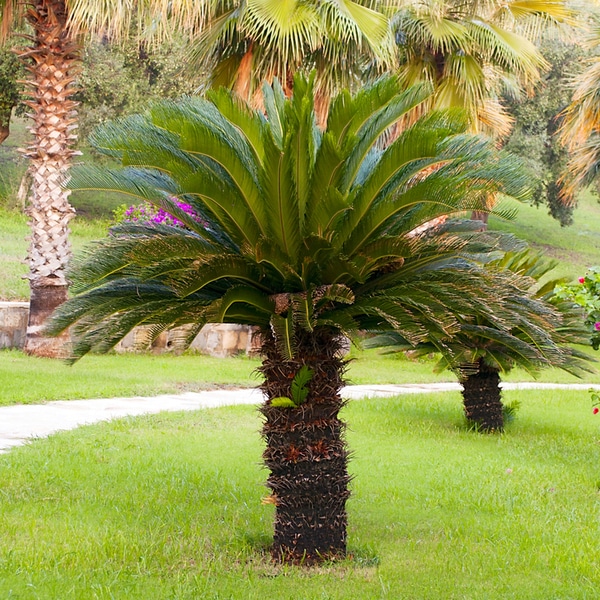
296,227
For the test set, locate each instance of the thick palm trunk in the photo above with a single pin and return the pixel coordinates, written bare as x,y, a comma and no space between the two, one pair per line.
306,453
50,62
482,399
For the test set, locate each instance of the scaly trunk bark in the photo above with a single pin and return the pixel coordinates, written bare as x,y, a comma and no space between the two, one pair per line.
483,400
50,61
306,453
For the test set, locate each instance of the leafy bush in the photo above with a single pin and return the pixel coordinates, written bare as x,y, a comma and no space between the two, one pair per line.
586,293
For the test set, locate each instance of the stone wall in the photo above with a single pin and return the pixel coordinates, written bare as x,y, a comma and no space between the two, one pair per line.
13,324
219,339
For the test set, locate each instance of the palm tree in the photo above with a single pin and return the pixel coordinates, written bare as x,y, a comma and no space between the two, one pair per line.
538,330
580,127
51,58
473,52
247,43
308,235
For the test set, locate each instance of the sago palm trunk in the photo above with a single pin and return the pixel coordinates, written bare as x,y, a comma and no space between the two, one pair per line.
482,399
50,63
306,453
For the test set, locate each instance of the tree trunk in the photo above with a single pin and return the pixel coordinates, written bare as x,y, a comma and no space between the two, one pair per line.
306,453
4,129
482,399
44,299
50,63
477,215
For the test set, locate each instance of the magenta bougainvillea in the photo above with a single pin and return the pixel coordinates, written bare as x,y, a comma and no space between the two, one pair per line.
149,214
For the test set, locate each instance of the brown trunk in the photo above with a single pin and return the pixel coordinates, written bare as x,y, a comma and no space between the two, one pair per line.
306,453
477,215
44,299
483,400
243,82
4,131
50,61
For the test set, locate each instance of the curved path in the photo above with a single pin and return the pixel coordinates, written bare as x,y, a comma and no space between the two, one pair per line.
22,422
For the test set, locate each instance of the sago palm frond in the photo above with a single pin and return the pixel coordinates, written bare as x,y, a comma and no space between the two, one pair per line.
299,228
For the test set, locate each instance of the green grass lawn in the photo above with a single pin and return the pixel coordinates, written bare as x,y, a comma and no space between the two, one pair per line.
168,507
576,247
28,380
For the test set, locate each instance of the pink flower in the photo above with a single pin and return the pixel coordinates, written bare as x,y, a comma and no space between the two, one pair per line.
582,280
596,410
597,325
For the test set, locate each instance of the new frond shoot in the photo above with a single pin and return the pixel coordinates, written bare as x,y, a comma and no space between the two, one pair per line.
298,390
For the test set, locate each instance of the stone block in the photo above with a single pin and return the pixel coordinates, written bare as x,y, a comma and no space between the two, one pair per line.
13,324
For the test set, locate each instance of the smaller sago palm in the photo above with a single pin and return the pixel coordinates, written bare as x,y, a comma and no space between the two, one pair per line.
537,330
308,235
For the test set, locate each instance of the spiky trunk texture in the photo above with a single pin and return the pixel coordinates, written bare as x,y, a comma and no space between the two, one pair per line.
482,398
49,60
306,453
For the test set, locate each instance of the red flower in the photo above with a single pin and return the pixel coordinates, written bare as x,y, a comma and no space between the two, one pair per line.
596,410
582,280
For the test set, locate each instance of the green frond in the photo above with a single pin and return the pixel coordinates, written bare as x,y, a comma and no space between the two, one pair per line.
281,198
249,122
370,130
283,333
274,99
244,295
298,389
216,268
204,132
303,311
137,184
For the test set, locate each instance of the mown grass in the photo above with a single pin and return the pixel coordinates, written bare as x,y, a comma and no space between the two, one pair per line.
29,380
168,507
13,249
576,248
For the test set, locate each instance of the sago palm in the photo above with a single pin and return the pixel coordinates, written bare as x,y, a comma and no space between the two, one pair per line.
308,235
538,330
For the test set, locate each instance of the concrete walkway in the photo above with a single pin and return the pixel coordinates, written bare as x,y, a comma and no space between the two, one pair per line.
22,422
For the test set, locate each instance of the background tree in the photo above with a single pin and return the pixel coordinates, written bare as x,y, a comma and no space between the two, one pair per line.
472,52
10,89
581,122
307,234
537,119
119,79
251,42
